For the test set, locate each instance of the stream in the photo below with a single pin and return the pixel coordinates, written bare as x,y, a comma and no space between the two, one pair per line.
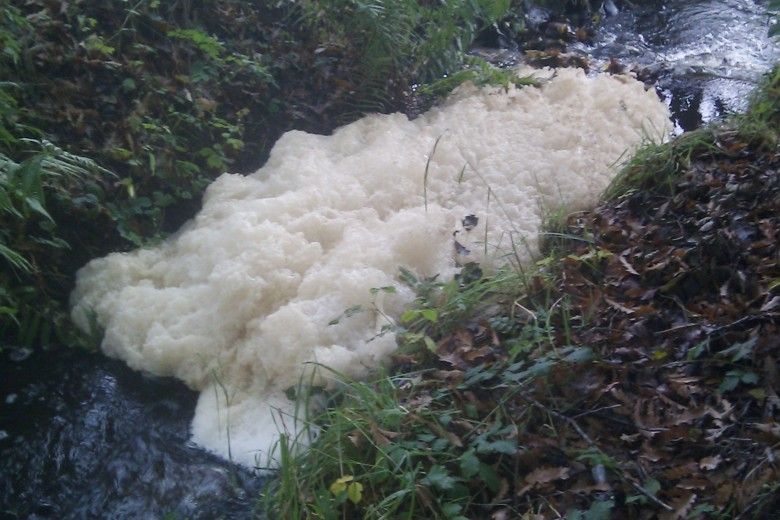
83,436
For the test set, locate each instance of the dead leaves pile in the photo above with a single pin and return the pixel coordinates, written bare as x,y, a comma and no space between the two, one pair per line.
668,406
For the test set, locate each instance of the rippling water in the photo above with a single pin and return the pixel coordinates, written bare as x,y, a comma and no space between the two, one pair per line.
86,437
710,53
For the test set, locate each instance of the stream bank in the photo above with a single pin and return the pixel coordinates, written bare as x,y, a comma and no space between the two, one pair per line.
65,446
632,372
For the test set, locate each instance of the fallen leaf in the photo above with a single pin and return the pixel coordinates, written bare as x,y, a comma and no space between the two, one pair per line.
547,474
710,463
681,508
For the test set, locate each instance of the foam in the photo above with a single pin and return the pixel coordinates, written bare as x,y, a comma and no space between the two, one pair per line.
237,301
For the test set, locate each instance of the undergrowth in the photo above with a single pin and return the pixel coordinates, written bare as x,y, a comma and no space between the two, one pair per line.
402,446
660,164
585,386
115,116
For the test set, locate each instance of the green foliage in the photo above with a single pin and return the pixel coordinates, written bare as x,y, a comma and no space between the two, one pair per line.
169,95
420,451
479,72
656,165
440,438
761,122
12,30
31,243
168,100
390,43
145,92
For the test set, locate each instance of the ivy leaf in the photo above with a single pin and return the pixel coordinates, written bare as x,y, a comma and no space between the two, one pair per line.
500,446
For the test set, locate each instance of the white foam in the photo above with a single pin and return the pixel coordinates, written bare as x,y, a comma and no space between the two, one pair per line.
239,299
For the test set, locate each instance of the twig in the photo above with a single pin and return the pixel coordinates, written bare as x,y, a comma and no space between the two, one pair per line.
566,418
530,313
589,412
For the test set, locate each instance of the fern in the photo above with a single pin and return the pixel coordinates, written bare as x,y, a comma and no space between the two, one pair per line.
400,41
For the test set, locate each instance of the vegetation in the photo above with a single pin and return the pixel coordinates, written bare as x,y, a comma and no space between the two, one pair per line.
115,116
598,383
631,373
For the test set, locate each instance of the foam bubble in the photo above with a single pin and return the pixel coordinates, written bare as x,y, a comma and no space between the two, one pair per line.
241,298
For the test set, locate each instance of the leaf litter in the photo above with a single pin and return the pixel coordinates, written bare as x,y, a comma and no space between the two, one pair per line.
656,395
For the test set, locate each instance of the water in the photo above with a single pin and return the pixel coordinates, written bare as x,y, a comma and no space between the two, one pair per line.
82,436
707,55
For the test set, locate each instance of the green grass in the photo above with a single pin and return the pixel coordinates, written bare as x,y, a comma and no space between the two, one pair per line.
399,445
656,165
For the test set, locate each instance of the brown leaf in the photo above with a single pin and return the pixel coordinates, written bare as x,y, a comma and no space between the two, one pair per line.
619,307
382,437
628,266
771,428
710,463
678,472
681,508
547,474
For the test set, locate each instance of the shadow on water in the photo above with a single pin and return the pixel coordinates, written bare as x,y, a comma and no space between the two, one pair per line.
82,436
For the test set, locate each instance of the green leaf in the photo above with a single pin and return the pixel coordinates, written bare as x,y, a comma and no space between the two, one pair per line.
451,509
749,378
579,355
355,492
469,464
348,313
15,259
697,350
490,477
388,289
652,486
35,205
438,477
6,204
128,84
740,350
499,446
430,314
701,509
407,277
599,510
728,384
409,316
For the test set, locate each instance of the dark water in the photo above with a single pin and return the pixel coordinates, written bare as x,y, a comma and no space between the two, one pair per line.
82,436
707,55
